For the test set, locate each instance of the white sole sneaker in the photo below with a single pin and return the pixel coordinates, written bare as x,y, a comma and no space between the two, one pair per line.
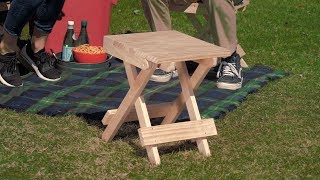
6,83
161,78
29,63
229,86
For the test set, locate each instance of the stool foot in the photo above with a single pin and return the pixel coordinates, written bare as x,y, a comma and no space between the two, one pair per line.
153,155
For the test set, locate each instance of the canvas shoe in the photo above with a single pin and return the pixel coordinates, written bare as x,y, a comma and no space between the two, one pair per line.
229,73
160,75
9,72
41,63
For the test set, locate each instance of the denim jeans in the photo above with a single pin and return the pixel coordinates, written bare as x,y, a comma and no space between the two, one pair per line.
44,14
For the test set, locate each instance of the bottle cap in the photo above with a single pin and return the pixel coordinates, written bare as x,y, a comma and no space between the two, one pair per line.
83,23
70,23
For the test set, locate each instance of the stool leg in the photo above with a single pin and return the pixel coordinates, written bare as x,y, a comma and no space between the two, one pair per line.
124,109
196,79
191,104
143,115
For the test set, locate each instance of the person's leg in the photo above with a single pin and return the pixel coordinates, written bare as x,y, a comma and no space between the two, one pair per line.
158,16
34,56
157,13
9,72
19,13
3,14
45,18
222,21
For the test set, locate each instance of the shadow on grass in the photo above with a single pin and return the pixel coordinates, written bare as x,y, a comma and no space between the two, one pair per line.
128,133
167,148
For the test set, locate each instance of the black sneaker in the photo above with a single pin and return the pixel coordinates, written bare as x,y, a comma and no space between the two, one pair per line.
9,72
160,75
229,73
41,63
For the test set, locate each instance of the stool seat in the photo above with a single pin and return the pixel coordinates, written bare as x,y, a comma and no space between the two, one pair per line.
160,47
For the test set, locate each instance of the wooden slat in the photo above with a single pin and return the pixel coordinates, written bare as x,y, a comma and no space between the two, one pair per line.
187,91
154,110
243,63
191,103
161,47
192,9
122,52
243,6
177,132
142,113
179,104
240,51
128,101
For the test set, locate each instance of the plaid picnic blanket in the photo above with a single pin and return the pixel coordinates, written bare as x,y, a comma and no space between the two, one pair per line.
92,93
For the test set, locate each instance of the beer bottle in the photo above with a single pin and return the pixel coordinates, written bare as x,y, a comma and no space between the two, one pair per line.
83,36
68,42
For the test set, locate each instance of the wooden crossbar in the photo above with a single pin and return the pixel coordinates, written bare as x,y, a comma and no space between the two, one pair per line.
154,110
177,132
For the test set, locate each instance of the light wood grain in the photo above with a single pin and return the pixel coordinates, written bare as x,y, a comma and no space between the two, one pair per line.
124,53
161,47
176,132
154,110
192,106
147,51
130,98
179,104
142,112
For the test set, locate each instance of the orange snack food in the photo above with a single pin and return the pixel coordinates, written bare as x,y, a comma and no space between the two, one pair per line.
87,49
89,54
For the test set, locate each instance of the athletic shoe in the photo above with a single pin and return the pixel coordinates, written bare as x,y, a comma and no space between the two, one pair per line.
9,72
160,75
229,73
41,63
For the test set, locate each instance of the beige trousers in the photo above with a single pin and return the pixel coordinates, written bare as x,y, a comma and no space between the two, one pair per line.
157,13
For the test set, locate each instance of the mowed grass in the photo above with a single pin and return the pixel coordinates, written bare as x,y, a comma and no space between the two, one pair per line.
274,133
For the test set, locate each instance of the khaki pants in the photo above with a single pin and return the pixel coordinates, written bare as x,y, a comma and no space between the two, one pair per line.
157,13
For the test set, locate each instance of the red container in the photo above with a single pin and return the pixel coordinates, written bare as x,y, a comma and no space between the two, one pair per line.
85,58
96,12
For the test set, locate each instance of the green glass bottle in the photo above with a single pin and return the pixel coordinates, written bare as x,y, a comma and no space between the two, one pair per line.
68,42
83,36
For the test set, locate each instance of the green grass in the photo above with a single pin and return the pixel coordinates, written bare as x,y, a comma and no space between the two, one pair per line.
273,134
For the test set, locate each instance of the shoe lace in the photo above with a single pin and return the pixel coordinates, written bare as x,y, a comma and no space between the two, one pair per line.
12,65
228,69
45,58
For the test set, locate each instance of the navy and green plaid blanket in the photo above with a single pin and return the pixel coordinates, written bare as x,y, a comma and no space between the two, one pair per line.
91,93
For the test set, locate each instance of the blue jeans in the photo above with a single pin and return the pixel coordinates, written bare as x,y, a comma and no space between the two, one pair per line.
44,14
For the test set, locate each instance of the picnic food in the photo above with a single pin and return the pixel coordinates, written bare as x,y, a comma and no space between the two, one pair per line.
89,54
87,49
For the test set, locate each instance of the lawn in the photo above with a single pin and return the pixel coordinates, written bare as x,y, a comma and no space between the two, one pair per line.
273,134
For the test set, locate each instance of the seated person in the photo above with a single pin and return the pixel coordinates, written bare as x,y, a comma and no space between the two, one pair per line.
44,14
157,13
4,7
